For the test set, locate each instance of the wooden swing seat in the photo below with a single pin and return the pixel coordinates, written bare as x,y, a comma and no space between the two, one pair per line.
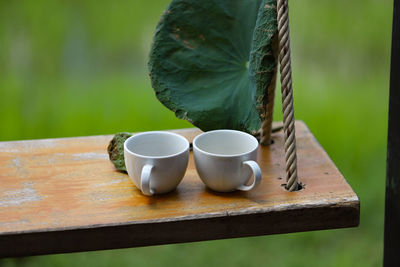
64,195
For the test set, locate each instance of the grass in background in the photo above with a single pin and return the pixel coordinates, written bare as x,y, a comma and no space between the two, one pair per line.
72,69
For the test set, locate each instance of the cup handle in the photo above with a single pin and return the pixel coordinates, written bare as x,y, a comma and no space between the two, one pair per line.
145,180
257,175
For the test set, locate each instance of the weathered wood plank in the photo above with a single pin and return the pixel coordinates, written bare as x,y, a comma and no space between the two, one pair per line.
63,195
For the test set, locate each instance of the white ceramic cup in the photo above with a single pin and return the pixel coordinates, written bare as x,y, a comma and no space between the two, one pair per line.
225,160
156,161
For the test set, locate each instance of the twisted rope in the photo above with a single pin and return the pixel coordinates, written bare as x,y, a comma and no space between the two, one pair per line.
287,95
287,99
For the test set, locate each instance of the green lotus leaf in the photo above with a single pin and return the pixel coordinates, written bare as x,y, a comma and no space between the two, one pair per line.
212,61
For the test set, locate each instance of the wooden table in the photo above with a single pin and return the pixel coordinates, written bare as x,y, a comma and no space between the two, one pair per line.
64,195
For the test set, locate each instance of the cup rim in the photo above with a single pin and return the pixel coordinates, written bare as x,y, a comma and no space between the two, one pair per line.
222,155
157,157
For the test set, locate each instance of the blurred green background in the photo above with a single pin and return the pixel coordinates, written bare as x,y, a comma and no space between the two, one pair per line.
73,68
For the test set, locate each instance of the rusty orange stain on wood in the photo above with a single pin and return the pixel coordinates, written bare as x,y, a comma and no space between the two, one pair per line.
70,183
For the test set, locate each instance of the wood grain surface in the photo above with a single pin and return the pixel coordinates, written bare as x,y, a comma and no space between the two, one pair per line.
64,195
